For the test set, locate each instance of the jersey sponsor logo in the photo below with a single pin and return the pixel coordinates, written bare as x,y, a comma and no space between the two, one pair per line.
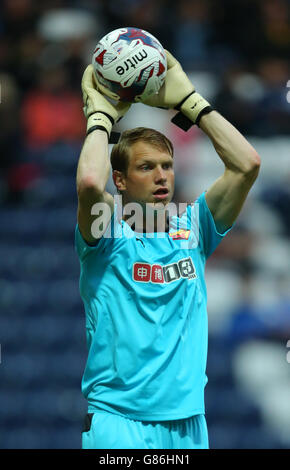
141,272
157,274
180,235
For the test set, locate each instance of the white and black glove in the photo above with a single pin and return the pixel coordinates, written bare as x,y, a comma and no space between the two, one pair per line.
177,92
100,113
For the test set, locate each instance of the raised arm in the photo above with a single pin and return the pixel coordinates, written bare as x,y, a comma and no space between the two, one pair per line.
227,195
92,176
94,163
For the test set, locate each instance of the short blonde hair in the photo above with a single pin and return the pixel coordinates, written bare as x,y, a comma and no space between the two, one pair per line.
120,152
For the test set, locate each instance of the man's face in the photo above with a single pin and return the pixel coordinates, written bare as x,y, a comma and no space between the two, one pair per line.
150,175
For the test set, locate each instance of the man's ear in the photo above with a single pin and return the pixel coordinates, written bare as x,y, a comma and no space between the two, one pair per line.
119,180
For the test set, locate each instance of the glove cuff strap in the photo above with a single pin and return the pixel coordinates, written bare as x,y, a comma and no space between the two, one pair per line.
193,106
100,120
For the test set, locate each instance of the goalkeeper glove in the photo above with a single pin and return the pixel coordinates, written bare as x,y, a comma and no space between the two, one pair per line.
100,113
178,92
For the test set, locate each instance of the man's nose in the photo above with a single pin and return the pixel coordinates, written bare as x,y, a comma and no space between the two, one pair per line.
160,175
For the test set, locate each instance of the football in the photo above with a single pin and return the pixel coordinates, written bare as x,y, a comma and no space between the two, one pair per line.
129,64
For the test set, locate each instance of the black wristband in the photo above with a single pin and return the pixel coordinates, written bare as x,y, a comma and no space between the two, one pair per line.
113,138
101,128
204,111
182,121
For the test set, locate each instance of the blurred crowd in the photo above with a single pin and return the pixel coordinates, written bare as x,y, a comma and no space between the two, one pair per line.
237,54
44,47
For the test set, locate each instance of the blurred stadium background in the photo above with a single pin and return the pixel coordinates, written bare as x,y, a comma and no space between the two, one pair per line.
237,54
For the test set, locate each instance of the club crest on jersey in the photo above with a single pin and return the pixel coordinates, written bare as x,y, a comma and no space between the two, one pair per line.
180,235
157,274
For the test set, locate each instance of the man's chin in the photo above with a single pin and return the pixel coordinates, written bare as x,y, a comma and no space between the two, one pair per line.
154,204
157,205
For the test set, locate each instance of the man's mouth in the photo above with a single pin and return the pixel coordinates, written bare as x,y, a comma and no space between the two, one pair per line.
161,192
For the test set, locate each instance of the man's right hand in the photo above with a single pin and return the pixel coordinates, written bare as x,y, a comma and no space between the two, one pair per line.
100,113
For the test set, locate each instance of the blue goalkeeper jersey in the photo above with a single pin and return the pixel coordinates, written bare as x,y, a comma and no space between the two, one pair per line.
145,302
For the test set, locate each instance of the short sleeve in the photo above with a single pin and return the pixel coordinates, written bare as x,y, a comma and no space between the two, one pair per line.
209,237
83,248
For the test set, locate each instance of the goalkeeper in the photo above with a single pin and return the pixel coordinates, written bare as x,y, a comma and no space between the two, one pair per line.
144,293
